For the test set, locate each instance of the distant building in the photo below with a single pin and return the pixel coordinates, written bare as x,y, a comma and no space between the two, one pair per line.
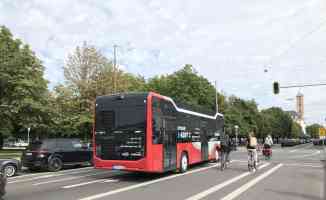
300,106
298,115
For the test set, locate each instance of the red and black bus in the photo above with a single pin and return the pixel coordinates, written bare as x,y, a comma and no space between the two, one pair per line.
148,132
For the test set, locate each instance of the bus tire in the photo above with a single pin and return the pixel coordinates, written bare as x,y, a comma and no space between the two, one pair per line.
184,162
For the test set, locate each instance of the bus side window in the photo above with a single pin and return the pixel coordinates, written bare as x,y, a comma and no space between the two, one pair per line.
157,122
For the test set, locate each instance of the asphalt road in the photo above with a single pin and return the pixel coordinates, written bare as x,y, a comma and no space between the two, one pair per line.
294,173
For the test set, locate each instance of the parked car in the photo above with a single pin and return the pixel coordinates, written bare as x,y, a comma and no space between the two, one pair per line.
54,154
10,167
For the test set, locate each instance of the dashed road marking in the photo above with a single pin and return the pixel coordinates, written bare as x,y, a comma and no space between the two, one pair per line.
251,183
68,179
90,182
47,176
46,173
222,185
303,165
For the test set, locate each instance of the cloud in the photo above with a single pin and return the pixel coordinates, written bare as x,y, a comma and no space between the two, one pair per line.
232,42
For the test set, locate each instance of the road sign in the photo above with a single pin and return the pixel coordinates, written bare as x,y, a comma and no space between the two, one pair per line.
322,132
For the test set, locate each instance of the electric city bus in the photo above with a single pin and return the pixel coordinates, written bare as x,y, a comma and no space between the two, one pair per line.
148,132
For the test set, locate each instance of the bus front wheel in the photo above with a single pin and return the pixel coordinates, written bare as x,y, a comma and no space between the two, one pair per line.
184,163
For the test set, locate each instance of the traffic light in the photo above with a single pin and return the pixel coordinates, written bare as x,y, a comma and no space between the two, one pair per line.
276,87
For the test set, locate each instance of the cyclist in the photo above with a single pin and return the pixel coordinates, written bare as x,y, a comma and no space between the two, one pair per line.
268,142
252,148
225,149
267,151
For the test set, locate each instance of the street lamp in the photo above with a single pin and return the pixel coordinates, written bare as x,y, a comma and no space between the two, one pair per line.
236,135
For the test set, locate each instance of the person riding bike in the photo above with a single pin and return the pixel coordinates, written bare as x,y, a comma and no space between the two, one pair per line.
267,151
268,142
252,149
226,147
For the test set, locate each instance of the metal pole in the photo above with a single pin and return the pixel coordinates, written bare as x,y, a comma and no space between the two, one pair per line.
216,97
115,68
28,130
236,139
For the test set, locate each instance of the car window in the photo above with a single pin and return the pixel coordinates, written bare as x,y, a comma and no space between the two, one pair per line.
76,145
65,145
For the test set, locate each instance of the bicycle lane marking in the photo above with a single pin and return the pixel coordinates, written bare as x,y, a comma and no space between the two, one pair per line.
251,183
222,185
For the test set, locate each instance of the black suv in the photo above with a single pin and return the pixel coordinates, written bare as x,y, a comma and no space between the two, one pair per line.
53,154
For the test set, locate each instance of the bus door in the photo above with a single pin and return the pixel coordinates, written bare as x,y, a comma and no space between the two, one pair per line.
204,146
169,146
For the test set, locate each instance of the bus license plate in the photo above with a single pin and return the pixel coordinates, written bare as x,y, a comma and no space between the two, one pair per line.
118,167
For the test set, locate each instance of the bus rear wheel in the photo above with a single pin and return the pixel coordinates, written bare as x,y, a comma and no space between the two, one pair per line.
184,163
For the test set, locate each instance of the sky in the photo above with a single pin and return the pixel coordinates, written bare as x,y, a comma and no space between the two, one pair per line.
231,41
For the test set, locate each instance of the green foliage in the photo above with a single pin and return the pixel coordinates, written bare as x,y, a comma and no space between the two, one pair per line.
278,122
243,113
22,86
296,130
187,86
313,130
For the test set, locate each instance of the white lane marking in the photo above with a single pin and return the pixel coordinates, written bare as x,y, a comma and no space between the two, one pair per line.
90,182
110,181
303,165
68,179
307,155
222,185
45,173
48,176
251,183
105,194
304,146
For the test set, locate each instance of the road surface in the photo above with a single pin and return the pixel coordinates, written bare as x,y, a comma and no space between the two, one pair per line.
294,173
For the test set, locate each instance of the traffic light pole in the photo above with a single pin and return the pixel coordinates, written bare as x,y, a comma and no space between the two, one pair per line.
276,86
304,85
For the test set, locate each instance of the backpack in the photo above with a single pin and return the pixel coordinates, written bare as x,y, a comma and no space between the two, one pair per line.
253,142
225,140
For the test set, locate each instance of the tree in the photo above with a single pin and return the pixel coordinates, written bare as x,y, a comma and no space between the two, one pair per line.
313,130
243,113
82,70
296,130
186,86
22,86
279,122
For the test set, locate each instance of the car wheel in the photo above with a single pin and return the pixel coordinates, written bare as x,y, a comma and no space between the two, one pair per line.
10,170
55,164
184,163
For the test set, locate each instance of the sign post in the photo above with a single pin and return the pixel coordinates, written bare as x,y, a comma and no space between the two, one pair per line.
28,130
236,136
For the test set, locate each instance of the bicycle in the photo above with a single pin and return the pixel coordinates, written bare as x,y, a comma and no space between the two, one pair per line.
252,165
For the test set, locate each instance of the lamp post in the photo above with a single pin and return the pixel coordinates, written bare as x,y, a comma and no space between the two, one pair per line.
236,135
28,130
